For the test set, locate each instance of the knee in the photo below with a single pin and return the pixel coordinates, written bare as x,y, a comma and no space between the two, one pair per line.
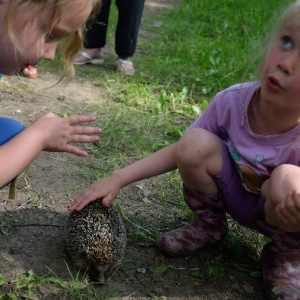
195,145
283,180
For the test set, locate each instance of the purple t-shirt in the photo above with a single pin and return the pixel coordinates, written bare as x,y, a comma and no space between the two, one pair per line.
255,155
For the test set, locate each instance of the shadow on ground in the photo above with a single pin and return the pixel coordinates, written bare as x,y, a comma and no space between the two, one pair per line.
33,239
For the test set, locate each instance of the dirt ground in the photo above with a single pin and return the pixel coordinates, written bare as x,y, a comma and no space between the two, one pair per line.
32,225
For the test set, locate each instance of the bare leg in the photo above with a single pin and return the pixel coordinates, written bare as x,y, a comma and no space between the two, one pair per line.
199,158
282,194
281,257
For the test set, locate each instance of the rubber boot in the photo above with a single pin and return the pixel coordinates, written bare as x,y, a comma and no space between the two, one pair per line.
280,262
209,226
281,272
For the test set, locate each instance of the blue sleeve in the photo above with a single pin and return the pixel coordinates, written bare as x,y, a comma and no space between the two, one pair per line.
8,129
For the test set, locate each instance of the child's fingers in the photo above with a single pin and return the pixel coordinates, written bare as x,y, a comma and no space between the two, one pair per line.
83,130
285,217
87,197
77,138
79,203
76,151
90,194
288,211
106,201
105,189
74,120
292,205
295,197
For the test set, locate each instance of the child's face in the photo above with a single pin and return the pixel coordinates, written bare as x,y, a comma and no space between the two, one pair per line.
280,75
36,42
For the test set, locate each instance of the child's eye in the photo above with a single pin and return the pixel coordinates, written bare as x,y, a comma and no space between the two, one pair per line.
287,42
50,38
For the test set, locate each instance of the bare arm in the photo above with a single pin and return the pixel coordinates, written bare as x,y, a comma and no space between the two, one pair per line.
107,189
49,133
159,162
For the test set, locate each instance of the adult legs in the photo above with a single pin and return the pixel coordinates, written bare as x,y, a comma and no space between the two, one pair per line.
129,20
95,38
130,15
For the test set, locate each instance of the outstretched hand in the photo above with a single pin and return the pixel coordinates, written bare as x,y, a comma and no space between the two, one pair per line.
105,189
59,133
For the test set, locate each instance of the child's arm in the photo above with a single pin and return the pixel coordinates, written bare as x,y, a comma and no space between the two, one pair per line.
49,133
107,189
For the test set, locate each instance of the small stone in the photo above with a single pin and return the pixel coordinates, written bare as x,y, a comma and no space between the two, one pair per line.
141,270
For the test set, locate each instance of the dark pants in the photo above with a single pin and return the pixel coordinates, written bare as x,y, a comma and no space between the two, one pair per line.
129,19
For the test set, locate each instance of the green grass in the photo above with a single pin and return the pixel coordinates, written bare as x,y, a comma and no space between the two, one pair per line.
203,46
200,48
208,45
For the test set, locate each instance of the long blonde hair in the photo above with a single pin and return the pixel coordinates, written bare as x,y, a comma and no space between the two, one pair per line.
70,45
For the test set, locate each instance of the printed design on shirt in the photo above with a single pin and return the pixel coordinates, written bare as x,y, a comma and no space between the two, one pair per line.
234,153
250,180
259,159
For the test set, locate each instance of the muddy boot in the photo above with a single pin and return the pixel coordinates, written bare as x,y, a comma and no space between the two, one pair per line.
208,227
281,272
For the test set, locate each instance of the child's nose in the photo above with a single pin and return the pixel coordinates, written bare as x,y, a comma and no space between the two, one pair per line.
289,62
49,52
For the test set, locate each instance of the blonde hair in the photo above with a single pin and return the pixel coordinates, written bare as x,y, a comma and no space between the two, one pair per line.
286,16
70,45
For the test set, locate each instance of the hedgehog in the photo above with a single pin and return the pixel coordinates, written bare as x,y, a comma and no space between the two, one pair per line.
96,239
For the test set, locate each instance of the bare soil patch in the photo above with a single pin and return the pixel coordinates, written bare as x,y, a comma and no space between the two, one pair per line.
32,226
